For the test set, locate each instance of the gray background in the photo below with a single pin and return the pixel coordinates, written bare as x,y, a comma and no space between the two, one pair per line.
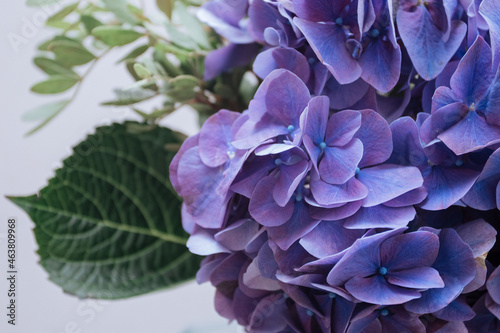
26,163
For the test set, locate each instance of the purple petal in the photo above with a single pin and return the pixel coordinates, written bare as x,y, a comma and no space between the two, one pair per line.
442,97
381,63
376,137
319,10
236,236
328,238
336,213
470,134
388,181
253,278
416,278
215,138
493,285
228,57
289,178
341,128
377,290
455,264
285,58
328,194
339,164
328,42
224,17
445,186
189,143
441,120
299,224
490,11
380,217
425,43
412,197
407,148
473,75
361,259
264,209
202,242
410,250
343,96
482,195
316,119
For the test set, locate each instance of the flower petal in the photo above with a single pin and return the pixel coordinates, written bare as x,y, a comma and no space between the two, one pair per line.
377,290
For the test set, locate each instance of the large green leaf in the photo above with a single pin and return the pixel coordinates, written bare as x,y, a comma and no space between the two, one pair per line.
56,84
108,224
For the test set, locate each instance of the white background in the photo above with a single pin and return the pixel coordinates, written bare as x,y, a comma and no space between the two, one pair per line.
26,163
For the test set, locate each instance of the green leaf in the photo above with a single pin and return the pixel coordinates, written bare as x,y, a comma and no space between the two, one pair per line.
166,6
115,36
108,225
56,19
70,53
119,8
131,96
181,88
56,84
90,22
40,3
179,38
142,71
193,25
44,112
135,53
51,66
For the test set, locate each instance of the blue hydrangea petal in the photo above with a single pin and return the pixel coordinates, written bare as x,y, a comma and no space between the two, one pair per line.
228,57
482,195
381,63
377,290
327,194
299,224
443,96
341,128
490,11
441,120
319,10
455,264
261,16
416,278
339,164
285,58
328,42
490,104
336,213
361,259
472,133
236,236
376,137
425,42
407,251
473,75
215,139
445,186
493,285
388,181
288,180
202,242
189,143
343,96
412,197
380,217
264,209
316,119
406,142
328,238
458,310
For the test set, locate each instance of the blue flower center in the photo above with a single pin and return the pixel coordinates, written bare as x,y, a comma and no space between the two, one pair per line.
375,33
459,163
358,170
332,295
339,21
322,145
278,162
309,313
311,61
291,128
298,197
384,312
382,271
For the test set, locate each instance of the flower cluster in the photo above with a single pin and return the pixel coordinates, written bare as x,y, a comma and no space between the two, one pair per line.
360,191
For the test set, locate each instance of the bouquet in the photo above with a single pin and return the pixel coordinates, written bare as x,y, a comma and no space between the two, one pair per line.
346,176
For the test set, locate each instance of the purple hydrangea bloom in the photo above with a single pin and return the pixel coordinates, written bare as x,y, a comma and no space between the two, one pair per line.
447,177
466,117
353,39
